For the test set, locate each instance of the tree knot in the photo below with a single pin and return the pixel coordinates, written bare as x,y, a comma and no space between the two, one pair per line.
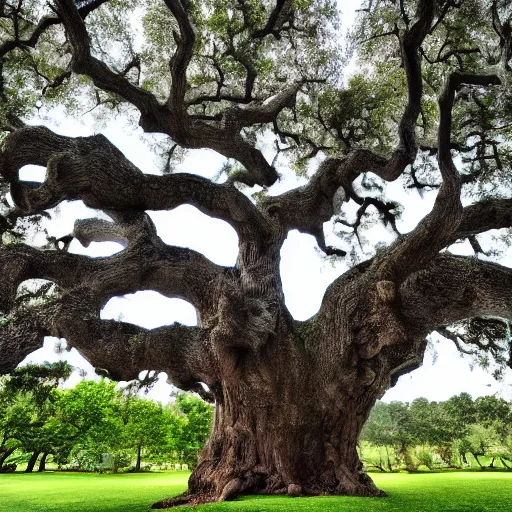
387,291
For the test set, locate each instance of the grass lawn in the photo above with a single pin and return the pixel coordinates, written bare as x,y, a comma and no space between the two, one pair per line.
87,492
424,492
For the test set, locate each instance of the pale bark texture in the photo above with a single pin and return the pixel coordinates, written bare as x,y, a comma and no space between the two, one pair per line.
290,397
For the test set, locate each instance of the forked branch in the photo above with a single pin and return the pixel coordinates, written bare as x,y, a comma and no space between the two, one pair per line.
308,207
170,118
119,349
434,232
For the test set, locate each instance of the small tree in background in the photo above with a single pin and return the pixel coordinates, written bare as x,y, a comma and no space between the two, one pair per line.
146,426
194,429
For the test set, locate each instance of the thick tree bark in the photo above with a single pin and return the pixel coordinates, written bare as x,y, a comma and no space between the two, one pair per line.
277,430
299,445
32,462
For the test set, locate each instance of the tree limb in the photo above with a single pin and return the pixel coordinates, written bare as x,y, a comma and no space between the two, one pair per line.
170,118
45,23
415,250
454,288
307,208
144,265
120,349
270,25
261,112
20,335
182,56
95,171
103,77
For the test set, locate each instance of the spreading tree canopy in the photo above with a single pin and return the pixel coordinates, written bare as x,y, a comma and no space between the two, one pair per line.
428,107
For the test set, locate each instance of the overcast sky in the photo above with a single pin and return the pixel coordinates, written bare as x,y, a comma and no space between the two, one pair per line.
305,273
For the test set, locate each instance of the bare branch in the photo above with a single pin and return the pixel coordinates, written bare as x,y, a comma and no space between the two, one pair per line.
43,25
102,76
146,264
99,230
271,27
119,349
260,112
170,118
183,54
308,207
410,43
124,350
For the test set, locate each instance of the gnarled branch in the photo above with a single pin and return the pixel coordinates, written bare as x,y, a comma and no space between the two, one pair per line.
170,118
484,216
454,288
172,271
120,349
308,207
415,250
95,171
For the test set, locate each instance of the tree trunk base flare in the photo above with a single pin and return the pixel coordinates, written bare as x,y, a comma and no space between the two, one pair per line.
298,446
238,486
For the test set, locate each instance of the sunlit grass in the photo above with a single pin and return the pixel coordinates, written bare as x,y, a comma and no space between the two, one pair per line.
424,492
86,492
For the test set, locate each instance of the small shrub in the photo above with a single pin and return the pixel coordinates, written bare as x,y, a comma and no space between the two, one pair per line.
425,459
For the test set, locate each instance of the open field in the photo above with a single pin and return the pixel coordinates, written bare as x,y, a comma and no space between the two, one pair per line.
422,492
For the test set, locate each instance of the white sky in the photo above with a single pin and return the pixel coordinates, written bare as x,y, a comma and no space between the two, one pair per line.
305,274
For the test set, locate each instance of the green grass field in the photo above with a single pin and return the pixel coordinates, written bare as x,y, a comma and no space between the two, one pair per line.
423,492
87,492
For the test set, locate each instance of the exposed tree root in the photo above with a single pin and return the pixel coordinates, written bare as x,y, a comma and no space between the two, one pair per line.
185,499
233,491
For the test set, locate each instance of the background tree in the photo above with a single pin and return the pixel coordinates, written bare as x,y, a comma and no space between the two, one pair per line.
379,431
28,406
436,433
91,417
146,426
190,435
480,441
291,397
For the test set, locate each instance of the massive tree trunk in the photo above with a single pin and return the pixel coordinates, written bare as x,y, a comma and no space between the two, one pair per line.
288,415
297,442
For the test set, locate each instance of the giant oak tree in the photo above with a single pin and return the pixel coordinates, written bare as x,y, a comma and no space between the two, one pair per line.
429,107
